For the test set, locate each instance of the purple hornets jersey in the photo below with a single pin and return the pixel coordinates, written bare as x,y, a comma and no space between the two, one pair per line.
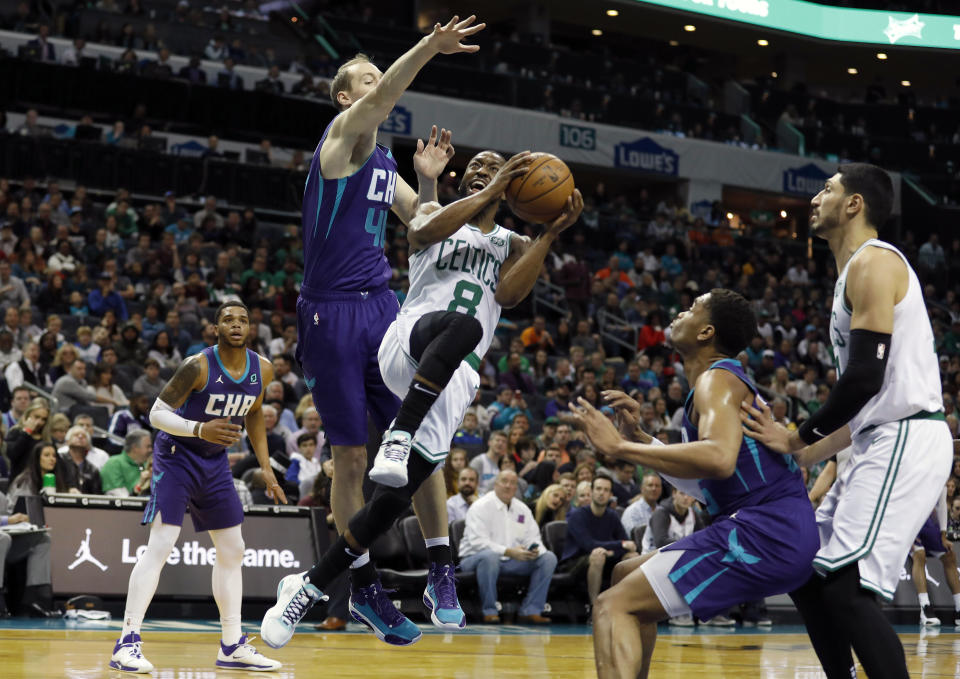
344,224
761,475
221,396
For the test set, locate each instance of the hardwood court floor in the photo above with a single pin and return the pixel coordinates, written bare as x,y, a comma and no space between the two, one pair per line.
52,649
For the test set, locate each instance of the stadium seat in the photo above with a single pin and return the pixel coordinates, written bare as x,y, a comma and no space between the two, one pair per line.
389,553
413,541
100,415
637,535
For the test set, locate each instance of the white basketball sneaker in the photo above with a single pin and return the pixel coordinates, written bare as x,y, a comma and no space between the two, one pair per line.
927,617
243,656
390,466
128,656
295,596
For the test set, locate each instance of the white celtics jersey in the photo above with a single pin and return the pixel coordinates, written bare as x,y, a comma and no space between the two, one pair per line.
911,383
460,273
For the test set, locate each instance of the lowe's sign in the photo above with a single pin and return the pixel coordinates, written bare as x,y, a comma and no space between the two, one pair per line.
646,155
804,181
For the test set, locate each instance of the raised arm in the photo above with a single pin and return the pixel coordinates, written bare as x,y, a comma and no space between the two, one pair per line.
522,268
365,115
433,223
713,456
257,431
429,162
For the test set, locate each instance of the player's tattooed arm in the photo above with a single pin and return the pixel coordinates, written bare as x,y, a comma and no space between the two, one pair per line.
187,378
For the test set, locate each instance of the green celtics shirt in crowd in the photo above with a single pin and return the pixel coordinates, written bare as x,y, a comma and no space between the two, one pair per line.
120,472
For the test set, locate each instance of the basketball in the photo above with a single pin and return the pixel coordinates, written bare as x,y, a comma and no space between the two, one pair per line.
540,194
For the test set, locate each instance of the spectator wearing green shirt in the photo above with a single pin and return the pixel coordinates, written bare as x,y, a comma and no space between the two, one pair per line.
128,473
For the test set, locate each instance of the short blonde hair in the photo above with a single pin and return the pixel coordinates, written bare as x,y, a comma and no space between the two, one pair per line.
341,81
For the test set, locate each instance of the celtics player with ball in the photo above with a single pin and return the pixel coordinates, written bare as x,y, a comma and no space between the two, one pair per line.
464,268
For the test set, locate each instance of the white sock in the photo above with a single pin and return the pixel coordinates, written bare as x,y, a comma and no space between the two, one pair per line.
227,581
361,560
924,599
146,574
437,542
956,602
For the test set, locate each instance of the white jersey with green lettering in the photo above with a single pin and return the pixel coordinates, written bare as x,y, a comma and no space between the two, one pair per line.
460,273
911,383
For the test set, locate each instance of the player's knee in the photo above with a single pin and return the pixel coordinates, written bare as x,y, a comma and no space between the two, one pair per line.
230,553
949,559
919,557
349,464
605,605
620,571
547,560
597,559
468,329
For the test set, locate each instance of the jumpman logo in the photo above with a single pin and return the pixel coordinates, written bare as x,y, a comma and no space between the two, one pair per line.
83,554
219,379
736,552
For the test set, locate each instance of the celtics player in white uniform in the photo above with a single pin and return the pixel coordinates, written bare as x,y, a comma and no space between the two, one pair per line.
887,407
464,268
463,265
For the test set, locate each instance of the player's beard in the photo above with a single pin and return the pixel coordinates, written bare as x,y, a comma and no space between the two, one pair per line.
825,222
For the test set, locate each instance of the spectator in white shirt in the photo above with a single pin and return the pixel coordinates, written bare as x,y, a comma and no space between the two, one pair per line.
71,55
488,464
639,513
458,504
501,536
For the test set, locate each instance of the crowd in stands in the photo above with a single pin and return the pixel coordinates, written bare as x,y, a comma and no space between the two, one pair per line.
101,302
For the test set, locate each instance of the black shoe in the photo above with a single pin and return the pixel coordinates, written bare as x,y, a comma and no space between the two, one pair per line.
35,610
4,611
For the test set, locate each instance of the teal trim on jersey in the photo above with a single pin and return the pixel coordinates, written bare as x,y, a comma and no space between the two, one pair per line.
740,476
690,596
755,453
246,370
473,360
427,455
341,187
877,589
903,432
680,572
316,220
712,507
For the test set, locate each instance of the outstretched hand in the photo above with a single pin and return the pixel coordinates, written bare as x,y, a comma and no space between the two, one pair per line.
432,157
446,39
628,413
569,216
597,426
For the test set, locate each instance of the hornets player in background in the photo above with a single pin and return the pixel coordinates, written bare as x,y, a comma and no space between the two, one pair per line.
763,535
463,268
346,305
199,414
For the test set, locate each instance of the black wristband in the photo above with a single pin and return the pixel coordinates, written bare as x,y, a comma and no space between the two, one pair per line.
860,381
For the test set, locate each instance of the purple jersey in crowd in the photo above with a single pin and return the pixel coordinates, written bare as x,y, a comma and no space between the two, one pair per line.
221,396
343,248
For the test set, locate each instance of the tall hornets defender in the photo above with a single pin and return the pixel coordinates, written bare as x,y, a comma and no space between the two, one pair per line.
199,413
888,404
345,304
762,536
463,268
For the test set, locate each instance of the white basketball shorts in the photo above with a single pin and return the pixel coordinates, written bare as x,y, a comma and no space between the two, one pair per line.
873,512
432,439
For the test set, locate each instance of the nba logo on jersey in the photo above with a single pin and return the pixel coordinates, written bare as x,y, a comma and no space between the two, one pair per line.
229,405
881,350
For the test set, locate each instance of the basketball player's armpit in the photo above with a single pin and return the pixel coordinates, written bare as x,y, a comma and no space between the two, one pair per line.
860,382
175,391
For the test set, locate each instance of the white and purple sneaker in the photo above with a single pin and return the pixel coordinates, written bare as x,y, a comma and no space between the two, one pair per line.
243,656
128,656
295,596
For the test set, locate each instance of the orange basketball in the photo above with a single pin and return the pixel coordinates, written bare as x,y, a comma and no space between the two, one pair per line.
540,194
